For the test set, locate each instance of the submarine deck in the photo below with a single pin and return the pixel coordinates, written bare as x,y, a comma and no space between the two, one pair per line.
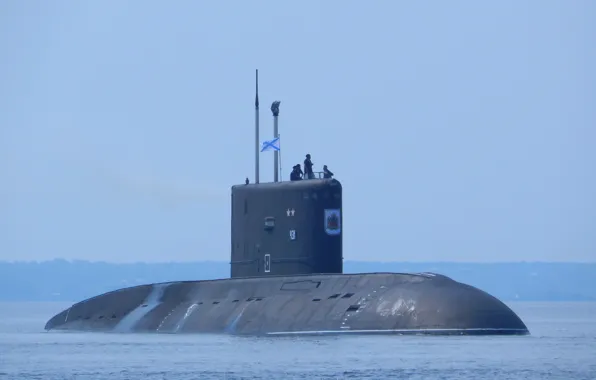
389,303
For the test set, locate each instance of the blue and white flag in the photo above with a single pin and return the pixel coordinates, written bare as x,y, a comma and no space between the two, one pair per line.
270,145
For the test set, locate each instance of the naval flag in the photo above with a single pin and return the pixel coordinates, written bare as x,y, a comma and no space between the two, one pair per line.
270,145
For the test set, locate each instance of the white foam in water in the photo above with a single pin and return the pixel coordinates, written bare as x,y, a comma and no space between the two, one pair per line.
127,323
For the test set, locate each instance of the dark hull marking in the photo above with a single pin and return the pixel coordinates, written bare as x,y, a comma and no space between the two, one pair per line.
371,303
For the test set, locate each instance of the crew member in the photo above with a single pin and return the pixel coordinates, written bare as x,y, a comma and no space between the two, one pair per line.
308,174
326,172
299,171
296,174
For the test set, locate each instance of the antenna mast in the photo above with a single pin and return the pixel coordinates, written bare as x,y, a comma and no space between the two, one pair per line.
257,128
275,111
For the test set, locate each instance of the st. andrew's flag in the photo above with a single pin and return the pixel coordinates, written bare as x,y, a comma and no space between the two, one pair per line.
270,145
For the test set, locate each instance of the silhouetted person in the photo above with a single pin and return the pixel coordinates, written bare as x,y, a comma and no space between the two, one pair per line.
296,173
326,172
299,171
246,181
308,174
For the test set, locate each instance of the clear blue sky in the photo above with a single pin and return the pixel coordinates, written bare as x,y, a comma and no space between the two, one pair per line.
461,130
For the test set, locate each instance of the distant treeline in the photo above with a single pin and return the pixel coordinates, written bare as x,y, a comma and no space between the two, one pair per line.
61,280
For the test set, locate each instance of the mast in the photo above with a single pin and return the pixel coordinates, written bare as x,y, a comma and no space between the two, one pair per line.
257,128
275,111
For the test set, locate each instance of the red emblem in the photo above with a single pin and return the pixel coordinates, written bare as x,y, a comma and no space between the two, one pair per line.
332,222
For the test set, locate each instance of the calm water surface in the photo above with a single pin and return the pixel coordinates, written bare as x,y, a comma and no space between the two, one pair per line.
562,346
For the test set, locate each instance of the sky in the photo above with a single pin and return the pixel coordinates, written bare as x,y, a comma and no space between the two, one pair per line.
460,130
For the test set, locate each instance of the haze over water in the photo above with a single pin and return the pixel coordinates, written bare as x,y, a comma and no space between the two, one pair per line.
562,346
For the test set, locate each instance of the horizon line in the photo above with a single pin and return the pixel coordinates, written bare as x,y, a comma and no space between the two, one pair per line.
350,260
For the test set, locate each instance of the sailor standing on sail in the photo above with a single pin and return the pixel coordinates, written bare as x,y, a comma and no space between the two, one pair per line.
308,173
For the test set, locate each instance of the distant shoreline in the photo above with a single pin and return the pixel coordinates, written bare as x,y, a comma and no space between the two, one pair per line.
375,262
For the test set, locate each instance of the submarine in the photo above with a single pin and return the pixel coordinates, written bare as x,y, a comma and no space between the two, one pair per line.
286,279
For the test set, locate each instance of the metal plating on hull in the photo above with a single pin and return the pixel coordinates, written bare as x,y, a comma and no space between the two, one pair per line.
287,279
371,303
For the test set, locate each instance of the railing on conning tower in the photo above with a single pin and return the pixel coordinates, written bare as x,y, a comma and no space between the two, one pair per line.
303,176
318,175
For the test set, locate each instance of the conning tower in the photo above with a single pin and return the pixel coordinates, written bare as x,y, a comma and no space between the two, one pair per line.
287,228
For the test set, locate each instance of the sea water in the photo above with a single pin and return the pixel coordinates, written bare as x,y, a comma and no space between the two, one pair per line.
562,345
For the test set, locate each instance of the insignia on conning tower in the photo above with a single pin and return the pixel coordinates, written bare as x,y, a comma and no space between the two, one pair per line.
332,222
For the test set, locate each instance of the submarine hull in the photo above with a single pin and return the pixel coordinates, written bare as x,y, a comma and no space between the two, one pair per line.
369,303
